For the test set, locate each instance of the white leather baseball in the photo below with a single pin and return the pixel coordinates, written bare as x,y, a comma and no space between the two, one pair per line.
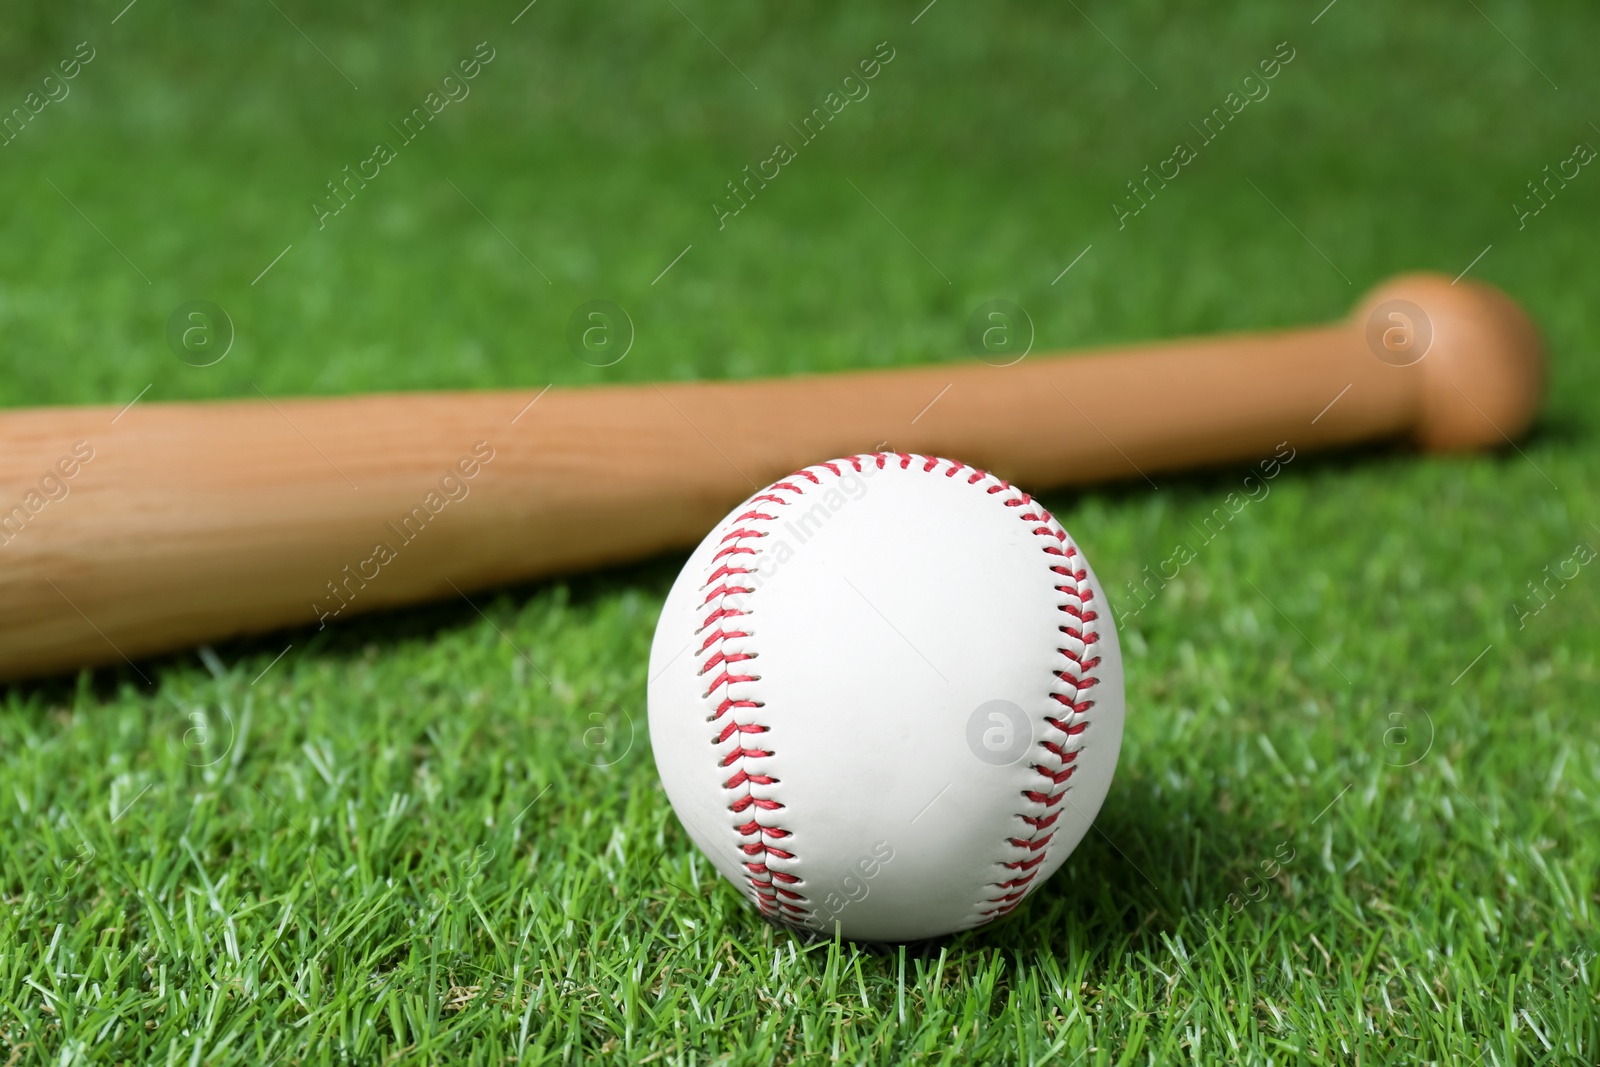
886,697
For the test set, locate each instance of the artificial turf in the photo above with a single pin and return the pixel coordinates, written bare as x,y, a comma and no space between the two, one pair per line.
396,844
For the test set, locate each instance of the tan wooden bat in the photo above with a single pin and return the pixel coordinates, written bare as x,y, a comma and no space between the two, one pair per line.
167,525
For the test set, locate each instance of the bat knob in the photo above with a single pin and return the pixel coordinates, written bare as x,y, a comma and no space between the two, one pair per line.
1476,358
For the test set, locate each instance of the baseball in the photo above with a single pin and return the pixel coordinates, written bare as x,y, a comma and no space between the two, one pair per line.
886,697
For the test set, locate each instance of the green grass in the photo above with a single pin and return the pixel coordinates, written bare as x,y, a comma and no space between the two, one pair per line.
394,844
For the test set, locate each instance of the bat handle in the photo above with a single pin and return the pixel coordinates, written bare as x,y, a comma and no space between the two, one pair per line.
1446,366
1477,359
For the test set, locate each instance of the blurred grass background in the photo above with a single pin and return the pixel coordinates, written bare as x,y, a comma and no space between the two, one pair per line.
334,858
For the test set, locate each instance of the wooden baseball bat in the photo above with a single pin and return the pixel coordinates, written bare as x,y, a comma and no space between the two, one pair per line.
164,525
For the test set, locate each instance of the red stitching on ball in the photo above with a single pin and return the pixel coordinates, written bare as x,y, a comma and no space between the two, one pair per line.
741,753
728,705
724,590
725,570
1069,728
729,678
720,613
723,635
1061,763
742,777
762,879
1012,883
1030,843
726,657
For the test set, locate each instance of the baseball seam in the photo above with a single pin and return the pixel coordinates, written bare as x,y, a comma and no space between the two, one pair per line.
776,887
1069,686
